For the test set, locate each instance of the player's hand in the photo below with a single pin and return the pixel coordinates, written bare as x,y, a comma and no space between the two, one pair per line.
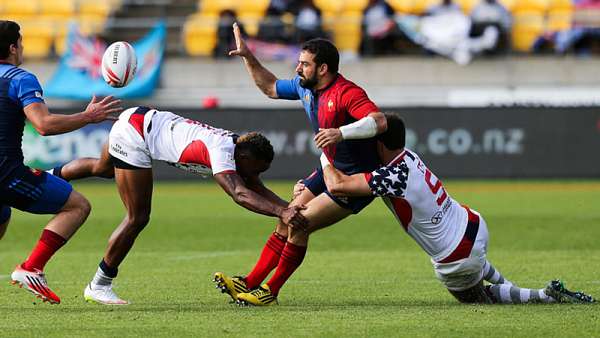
101,110
241,47
327,137
292,217
298,188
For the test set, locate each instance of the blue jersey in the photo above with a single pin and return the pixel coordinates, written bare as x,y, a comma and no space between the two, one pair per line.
339,103
18,89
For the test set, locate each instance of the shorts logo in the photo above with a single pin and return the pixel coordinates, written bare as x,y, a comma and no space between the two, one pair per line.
117,149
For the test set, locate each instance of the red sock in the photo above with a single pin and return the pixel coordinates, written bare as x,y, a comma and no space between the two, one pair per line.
268,260
48,244
291,258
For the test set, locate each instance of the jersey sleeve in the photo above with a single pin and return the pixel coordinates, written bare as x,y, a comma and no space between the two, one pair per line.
222,160
288,89
29,90
389,180
357,102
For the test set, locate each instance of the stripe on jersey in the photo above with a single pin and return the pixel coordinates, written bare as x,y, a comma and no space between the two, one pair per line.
196,152
137,121
403,210
463,250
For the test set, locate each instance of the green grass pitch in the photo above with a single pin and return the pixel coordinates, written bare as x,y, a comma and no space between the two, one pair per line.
363,277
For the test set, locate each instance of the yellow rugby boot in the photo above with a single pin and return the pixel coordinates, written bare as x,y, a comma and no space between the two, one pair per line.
260,296
230,285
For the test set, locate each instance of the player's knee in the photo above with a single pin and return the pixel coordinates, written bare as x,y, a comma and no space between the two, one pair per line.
106,171
138,220
77,202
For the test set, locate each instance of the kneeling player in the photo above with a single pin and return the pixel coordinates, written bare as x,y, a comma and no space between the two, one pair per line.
141,135
454,236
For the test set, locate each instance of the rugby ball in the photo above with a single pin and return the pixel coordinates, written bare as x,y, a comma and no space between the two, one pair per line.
119,64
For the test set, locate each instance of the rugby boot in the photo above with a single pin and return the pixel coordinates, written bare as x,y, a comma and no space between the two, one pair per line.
102,294
230,285
260,296
557,290
34,282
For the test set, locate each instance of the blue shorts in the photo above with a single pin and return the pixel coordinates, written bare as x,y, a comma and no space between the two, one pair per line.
34,191
316,184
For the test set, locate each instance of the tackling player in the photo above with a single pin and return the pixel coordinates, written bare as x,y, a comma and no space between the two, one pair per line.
330,102
453,235
33,191
143,134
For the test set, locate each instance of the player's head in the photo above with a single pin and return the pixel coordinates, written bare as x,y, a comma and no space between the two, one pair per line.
11,46
394,138
318,58
253,154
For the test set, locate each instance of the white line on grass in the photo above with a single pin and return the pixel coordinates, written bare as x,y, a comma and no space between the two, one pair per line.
4,276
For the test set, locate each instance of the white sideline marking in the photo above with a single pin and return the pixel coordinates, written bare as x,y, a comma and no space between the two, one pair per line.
4,276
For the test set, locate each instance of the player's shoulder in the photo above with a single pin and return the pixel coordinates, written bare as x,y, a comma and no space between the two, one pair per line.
344,83
16,73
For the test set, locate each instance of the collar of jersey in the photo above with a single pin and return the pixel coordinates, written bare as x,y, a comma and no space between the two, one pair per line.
320,91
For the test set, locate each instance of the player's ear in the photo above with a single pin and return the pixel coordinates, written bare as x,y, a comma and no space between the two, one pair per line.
323,69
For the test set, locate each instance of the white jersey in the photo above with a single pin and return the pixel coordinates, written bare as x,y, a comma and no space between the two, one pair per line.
421,204
142,135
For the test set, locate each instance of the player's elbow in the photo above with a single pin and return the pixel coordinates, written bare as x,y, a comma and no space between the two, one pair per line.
42,130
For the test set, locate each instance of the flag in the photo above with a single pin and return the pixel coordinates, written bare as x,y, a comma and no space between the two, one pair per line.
79,75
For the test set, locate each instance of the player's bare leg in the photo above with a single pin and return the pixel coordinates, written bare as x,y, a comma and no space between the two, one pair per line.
268,260
321,212
135,189
61,227
87,167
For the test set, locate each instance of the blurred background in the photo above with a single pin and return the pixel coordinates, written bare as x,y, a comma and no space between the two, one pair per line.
489,89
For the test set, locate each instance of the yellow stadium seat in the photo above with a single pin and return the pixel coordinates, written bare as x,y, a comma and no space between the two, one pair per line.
560,4
527,27
521,6
250,13
332,6
200,35
214,7
559,20
355,5
94,7
347,32
21,8
402,6
37,38
57,8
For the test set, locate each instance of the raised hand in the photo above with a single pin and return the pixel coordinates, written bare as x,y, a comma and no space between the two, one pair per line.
242,48
101,110
326,137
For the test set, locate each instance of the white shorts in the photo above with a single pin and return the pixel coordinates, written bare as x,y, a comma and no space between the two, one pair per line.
467,272
127,144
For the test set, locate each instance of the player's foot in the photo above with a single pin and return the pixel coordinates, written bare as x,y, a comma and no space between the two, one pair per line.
230,285
557,290
34,282
261,296
102,295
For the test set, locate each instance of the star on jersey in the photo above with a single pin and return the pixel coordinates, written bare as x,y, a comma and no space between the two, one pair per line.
390,180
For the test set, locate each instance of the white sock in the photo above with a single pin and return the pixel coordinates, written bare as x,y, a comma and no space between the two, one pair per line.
100,279
510,294
490,274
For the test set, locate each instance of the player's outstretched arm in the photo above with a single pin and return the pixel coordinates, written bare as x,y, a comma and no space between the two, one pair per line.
47,123
340,184
235,187
256,185
369,126
263,78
